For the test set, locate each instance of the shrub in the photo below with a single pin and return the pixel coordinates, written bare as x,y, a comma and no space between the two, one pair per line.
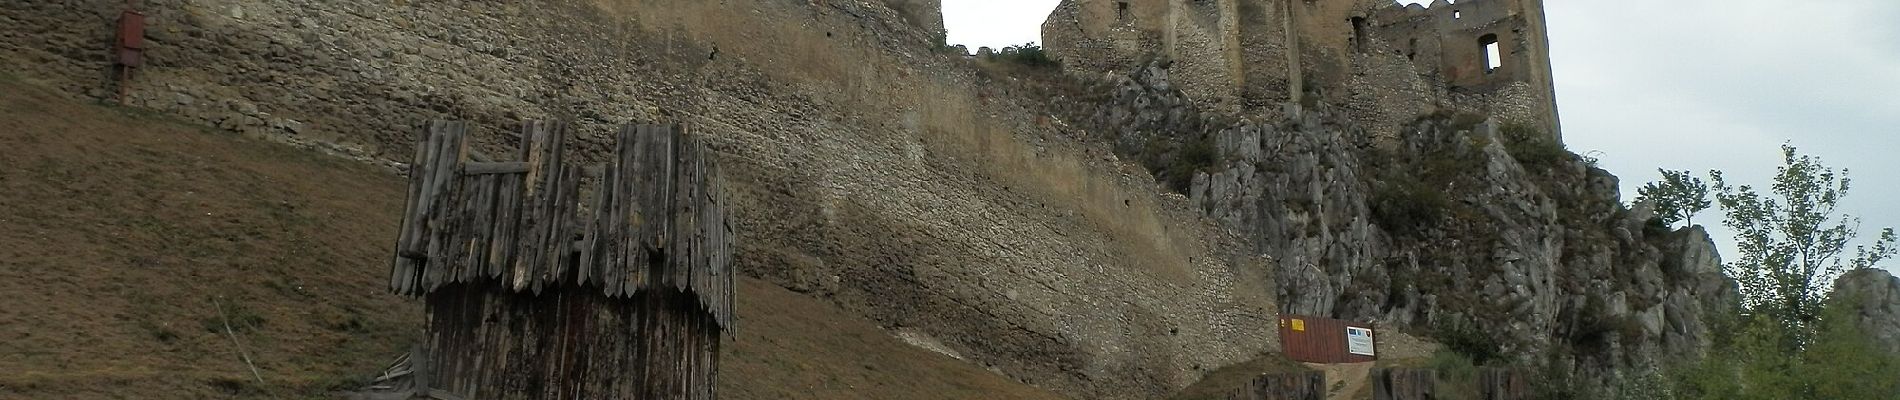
1028,54
1532,148
1457,375
1176,163
1634,384
1466,338
1840,363
1677,198
1408,205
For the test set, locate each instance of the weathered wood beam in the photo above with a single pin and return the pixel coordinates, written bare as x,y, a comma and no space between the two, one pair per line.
491,168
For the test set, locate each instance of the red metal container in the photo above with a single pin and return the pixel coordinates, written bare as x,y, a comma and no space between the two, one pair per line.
1326,340
131,43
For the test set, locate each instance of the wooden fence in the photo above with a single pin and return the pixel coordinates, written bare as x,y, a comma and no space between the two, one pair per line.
1387,384
1403,384
1310,385
536,289
1503,384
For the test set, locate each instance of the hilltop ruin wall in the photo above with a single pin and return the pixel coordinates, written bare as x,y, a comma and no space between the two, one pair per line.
1384,63
867,169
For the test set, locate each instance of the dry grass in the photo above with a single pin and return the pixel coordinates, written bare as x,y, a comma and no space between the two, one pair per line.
122,227
119,227
1222,382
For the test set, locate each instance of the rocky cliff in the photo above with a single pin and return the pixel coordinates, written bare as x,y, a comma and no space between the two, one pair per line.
1874,296
867,168
1484,236
945,203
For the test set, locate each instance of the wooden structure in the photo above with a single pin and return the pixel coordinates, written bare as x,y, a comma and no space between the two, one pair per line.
537,289
1503,384
1326,340
1309,385
1403,384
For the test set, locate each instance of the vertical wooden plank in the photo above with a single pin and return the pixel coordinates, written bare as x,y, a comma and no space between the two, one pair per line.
403,266
534,142
543,214
653,154
702,264
598,250
513,207
495,212
628,258
587,259
502,248
679,247
467,200
561,242
554,262
542,269
430,210
480,212
442,205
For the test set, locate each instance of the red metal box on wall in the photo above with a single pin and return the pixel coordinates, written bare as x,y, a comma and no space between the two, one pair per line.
131,44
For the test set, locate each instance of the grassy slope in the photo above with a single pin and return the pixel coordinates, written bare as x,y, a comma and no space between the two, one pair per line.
1222,382
118,229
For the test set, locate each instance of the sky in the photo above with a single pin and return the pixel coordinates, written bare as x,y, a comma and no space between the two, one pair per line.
1685,85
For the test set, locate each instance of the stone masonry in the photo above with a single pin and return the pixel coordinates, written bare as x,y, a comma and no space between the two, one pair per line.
1384,64
866,168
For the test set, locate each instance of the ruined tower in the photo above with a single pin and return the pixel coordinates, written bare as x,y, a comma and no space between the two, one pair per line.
1493,56
1383,62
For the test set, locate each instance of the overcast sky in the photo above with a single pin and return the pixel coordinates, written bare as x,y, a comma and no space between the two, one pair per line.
1685,84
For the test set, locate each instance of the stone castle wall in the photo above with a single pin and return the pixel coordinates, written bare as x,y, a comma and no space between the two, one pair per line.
1267,70
1451,38
1105,35
865,168
1383,63
924,14
1202,45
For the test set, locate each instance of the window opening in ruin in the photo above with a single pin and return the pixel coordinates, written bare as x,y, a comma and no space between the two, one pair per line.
1493,58
1455,14
1121,11
1411,49
1359,34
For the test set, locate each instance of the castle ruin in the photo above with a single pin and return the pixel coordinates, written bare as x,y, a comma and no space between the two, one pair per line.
1383,62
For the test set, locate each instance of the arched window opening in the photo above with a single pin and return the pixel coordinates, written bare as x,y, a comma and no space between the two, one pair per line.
1121,11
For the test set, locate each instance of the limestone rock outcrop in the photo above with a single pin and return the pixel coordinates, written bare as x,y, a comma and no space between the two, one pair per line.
1463,229
1874,296
867,168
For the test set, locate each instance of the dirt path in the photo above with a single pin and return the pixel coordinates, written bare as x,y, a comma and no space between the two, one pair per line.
1346,381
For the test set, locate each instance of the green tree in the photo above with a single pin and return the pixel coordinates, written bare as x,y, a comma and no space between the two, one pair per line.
1843,362
1030,54
1840,364
1792,241
1791,340
1677,198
